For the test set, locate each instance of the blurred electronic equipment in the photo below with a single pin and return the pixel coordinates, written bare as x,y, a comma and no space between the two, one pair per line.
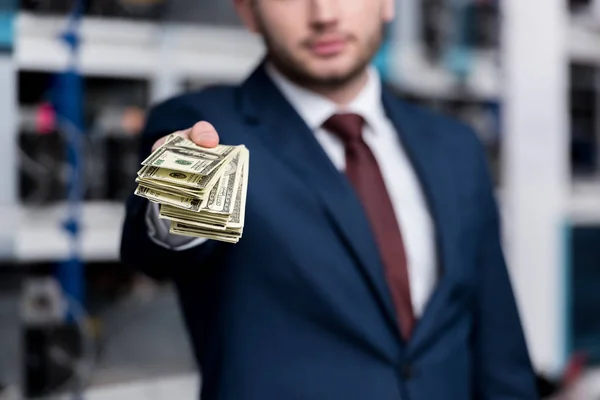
583,278
585,14
484,117
133,9
196,11
115,112
585,120
209,12
58,354
46,342
579,5
10,332
473,25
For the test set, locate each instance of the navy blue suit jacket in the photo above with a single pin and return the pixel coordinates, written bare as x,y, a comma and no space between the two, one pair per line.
299,308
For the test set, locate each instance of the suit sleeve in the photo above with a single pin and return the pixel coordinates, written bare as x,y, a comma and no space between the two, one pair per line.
503,368
138,250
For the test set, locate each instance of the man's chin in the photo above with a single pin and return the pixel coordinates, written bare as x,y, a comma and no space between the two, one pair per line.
320,72
334,76
325,68
331,67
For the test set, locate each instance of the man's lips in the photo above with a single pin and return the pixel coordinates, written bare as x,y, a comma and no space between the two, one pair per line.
328,47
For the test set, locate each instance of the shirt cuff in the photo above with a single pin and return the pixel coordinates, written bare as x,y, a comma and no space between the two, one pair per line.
158,232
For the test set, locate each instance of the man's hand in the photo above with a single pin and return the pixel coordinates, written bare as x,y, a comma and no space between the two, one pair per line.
203,134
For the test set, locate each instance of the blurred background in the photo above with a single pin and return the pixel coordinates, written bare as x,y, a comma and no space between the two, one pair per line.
76,79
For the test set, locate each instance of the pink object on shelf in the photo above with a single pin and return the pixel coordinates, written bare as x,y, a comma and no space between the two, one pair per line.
45,119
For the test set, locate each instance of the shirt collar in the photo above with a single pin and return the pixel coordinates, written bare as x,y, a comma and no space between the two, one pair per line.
316,109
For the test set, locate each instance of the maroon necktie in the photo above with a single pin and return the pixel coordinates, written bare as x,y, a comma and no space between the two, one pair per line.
364,173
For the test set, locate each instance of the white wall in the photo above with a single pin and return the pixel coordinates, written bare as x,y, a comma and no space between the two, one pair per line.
536,167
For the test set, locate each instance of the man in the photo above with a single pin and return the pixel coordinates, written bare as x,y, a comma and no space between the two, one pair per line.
370,266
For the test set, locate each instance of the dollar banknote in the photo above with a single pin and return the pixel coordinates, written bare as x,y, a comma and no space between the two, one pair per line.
202,192
239,208
192,182
174,190
226,200
183,155
221,198
202,216
179,228
197,224
166,198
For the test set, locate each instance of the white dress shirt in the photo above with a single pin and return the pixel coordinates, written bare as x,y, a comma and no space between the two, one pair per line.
401,181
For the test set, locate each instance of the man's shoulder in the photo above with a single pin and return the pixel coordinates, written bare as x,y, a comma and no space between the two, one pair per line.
460,146
445,129
436,121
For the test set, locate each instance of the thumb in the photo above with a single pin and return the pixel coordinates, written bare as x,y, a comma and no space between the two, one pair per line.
204,134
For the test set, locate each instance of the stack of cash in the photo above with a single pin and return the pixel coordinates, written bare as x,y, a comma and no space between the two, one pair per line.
201,191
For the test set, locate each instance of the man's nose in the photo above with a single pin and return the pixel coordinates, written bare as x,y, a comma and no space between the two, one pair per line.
324,12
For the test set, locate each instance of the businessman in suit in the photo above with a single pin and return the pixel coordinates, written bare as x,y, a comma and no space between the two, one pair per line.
370,267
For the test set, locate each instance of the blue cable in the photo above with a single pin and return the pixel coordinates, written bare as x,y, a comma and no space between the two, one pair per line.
69,100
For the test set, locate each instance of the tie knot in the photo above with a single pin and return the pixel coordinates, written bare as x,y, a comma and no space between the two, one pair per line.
348,127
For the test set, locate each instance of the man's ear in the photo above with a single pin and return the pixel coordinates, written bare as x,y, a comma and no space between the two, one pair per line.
245,9
389,10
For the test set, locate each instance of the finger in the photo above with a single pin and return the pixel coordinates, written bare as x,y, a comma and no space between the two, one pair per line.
159,143
204,134
162,140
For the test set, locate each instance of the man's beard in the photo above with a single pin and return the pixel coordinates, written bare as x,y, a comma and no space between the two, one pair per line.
282,59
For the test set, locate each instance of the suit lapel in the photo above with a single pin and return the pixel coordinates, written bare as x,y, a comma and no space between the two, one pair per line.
428,156
296,146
